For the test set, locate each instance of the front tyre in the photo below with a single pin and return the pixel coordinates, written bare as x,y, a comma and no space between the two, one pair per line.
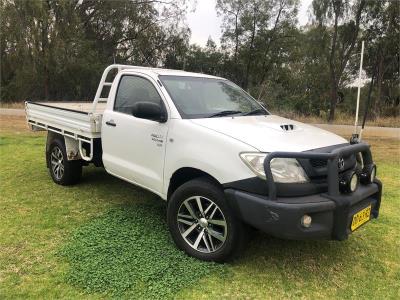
202,224
62,170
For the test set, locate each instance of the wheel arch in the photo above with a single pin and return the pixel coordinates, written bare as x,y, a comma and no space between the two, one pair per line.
71,145
185,174
72,148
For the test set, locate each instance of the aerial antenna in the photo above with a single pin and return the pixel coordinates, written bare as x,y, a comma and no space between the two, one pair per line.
367,106
355,137
368,103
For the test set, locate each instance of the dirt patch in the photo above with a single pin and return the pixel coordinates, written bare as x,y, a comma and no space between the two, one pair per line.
369,131
15,124
385,148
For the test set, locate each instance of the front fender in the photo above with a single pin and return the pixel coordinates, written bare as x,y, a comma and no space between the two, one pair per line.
193,146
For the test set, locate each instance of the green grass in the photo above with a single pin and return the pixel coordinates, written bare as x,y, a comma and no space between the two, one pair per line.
105,238
128,251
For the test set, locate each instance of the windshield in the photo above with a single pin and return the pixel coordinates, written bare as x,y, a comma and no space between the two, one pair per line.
199,97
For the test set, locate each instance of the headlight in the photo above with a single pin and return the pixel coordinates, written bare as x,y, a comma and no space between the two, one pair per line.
284,170
255,161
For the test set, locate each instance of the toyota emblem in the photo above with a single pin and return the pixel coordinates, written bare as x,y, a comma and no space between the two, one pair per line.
341,163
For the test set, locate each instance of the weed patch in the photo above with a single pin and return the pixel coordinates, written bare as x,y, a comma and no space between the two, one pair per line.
128,251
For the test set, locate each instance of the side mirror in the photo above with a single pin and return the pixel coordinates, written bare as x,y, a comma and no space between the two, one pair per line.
149,110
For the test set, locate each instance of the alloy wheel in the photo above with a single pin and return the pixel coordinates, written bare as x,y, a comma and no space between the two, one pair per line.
202,224
57,163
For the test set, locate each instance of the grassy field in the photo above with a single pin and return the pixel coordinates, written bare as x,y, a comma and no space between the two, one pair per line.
105,238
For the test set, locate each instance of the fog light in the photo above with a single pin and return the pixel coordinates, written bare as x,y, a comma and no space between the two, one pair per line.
372,175
306,221
353,182
348,182
368,175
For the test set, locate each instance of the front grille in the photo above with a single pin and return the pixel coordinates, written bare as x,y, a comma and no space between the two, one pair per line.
318,163
349,162
317,169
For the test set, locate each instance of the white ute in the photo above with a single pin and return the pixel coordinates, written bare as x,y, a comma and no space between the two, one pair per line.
221,161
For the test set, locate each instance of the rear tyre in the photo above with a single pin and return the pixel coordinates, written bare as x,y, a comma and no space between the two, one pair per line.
202,224
62,170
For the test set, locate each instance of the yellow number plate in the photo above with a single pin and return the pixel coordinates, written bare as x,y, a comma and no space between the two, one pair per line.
360,218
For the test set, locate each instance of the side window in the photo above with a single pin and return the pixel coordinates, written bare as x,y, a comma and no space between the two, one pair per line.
133,89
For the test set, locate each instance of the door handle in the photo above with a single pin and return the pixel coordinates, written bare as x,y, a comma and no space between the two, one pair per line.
111,123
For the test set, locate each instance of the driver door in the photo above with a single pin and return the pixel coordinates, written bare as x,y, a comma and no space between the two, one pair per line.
134,148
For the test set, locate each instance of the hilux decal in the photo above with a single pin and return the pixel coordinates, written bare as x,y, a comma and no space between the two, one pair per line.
158,138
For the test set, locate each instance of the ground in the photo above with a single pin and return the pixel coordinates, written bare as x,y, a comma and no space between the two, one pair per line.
105,238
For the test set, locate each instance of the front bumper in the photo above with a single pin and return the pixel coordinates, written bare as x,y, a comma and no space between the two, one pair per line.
331,212
282,217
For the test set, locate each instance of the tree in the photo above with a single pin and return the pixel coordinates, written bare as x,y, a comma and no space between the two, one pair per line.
35,34
341,21
254,28
56,49
135,31
382,53
231,11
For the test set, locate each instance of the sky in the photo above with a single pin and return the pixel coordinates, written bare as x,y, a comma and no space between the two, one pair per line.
204,21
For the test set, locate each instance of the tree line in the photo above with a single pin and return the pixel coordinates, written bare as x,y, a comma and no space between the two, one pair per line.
57,49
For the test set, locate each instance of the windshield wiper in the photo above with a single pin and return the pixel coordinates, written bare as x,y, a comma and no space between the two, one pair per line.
225,113
258,111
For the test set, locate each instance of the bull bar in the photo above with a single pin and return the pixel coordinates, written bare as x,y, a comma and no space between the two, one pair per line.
343,203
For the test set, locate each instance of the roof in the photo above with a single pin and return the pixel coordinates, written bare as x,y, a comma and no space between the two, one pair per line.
160,71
